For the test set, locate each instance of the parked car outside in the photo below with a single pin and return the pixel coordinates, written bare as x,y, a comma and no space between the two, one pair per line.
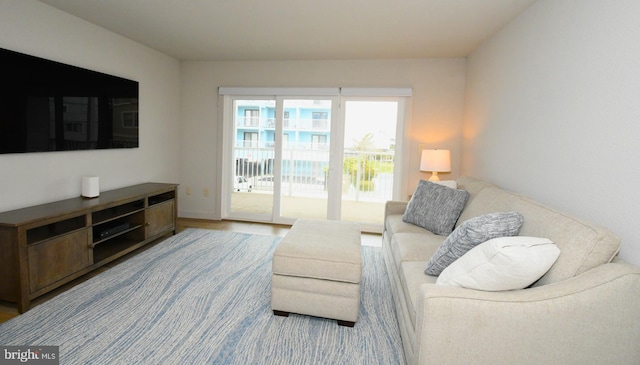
241,183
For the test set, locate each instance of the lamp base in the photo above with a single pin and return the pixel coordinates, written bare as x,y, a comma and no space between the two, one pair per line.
434,176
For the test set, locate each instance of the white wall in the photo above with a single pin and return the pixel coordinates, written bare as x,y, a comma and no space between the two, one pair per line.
31,27
435,110
552,111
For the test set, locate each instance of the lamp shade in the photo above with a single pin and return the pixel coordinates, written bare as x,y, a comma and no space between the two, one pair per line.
435,160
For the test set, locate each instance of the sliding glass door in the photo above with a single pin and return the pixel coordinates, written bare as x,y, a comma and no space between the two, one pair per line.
319,157
368,158
280,158
252,159
306,128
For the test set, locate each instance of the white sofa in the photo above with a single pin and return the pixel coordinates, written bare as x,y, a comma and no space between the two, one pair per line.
584,310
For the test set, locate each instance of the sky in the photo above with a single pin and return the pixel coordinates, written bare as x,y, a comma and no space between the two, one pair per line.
379,118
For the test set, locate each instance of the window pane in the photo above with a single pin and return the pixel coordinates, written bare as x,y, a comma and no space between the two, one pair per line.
253,154
305,158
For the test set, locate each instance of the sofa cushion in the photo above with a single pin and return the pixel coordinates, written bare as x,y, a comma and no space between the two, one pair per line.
414,246
583,246
448,183
394,224
435,207
412,277
470,234
504,263
472,185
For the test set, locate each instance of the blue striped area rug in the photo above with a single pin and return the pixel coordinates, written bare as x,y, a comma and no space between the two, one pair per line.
203,297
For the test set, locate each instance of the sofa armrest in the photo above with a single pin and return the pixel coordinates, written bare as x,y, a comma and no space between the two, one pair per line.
394,207
591,318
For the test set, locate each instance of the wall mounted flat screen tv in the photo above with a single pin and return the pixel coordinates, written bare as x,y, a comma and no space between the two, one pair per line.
50,106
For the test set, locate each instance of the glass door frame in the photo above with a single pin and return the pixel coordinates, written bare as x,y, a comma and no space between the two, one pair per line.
228,167
278,218
399,169
337,130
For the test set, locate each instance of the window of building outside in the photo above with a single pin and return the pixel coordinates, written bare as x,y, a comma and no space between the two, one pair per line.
250,139
318,141
320,120
251,117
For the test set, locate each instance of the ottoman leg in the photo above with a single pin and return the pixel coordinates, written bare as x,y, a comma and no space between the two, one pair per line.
281,313
346,323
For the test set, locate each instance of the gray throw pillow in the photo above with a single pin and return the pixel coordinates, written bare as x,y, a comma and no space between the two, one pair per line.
471,233
435,207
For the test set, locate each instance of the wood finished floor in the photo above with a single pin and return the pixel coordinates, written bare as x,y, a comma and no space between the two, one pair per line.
8,310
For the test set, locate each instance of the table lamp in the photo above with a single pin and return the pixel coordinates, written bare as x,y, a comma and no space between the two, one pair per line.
435,161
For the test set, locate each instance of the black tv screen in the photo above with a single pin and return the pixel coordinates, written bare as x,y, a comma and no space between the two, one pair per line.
50,106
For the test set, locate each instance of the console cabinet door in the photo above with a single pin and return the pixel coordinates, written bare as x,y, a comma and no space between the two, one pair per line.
160,218
57,258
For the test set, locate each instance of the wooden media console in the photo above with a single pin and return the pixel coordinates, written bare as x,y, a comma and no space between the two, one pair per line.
45,246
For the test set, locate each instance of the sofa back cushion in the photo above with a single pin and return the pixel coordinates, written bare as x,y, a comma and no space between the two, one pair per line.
472,185
583,246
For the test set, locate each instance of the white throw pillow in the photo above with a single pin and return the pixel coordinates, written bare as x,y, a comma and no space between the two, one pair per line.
504,263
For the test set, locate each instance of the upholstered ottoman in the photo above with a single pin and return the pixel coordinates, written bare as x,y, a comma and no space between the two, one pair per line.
317,269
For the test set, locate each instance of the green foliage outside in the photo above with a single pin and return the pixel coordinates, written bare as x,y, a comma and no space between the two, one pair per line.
360,170
363,169
384,167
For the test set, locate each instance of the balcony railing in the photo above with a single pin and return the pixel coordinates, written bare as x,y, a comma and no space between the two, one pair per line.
250,145
366,175
310,124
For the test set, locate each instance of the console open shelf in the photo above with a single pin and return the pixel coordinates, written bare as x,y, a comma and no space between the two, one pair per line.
115,248
48,245
111,237
54,229
118,211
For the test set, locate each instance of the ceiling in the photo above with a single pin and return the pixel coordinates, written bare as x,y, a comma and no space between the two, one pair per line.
301,29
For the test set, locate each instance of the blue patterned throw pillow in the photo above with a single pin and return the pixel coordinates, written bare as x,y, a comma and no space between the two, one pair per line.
471,233
435,207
